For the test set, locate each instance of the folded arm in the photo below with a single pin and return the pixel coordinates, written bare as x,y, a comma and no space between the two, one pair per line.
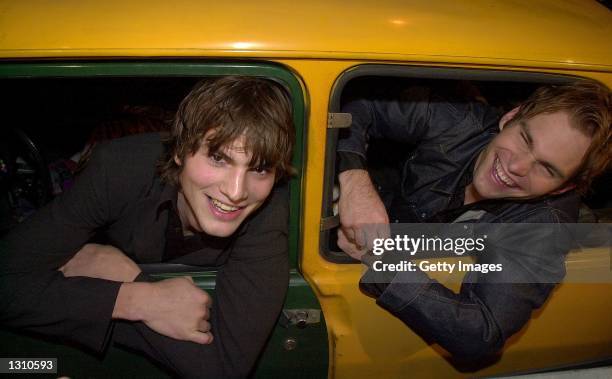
249,293
491,306
363,216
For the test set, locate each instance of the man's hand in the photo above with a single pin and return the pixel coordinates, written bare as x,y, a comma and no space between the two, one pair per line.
176,308
103,262
360,206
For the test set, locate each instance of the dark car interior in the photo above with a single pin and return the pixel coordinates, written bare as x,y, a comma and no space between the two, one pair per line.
51,125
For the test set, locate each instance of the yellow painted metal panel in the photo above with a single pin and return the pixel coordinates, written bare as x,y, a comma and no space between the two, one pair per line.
365,341
443,31
319,40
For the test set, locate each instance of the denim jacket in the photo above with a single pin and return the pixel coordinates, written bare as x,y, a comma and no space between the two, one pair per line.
447,137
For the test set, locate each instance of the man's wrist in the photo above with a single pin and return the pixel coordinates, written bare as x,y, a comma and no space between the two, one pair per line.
128,305
351,178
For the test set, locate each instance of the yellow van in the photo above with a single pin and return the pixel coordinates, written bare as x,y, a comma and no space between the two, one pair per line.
64,63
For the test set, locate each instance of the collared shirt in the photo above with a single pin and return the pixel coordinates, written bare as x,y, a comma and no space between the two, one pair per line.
120,195
179,246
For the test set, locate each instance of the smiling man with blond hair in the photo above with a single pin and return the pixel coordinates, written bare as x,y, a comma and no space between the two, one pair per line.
470,165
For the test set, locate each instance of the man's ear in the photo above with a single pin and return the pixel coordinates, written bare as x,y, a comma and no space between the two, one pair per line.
177,160
566,187
507,117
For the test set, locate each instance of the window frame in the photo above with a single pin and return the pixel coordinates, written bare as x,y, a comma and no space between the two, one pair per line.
329,221
71,68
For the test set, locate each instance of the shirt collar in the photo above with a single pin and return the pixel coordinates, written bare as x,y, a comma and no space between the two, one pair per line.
167,199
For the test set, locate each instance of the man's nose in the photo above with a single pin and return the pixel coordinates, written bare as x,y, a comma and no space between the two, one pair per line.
520,164
234,187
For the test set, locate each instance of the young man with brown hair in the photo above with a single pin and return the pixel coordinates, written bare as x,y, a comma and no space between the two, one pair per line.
211,194
471,166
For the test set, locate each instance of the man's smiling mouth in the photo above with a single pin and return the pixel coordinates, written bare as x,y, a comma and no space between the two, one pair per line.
222,207
499,174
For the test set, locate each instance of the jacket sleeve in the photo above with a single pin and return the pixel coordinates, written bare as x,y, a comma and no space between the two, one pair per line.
404,120
35,296
490,307
249,294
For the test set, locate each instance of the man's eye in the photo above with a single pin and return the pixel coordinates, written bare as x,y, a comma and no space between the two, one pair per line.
217,158
550,172
260,170
525,139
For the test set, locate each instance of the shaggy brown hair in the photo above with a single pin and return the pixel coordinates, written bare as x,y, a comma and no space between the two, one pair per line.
231,107
588,104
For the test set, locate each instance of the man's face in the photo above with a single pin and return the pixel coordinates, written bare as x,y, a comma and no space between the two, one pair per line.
529,158
218,191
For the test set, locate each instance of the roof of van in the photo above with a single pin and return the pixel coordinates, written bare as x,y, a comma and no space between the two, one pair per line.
567,32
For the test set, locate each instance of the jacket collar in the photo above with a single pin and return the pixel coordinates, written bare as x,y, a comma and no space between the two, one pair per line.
454,183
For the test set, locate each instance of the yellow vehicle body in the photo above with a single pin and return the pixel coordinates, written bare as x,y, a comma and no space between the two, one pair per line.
319,41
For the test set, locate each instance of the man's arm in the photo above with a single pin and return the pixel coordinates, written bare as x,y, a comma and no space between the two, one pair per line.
103,262
470,325
404,119
359,205
491,306
250,290
174,307
36,296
